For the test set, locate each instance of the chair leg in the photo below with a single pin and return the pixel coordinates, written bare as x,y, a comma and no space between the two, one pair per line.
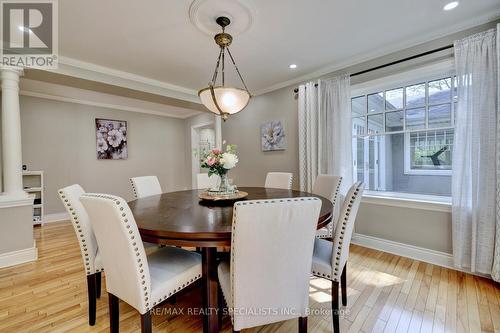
114,313
343,285
146,324
335,307
98,279
302,324
91,291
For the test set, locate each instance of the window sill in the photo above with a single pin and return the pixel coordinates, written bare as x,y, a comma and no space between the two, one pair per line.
408,200
428,173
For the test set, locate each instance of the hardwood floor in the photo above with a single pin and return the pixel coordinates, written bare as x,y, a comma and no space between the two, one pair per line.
386,293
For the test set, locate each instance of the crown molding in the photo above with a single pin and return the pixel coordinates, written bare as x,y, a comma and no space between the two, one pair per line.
15,69
93,72
104,105
68,94
383,51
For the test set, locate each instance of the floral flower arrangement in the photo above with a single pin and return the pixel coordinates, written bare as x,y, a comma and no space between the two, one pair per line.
219,162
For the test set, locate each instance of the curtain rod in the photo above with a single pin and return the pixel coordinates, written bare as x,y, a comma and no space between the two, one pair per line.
296,90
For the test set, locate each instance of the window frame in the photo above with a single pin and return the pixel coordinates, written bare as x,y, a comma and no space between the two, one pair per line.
437,71
407,157
426,106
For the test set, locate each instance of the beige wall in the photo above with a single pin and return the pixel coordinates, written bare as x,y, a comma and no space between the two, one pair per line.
418,227
59,138
243,130
16,228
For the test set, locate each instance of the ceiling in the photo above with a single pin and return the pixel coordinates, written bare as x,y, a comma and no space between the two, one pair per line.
157,40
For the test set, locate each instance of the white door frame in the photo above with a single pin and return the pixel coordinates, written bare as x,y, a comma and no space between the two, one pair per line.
195,163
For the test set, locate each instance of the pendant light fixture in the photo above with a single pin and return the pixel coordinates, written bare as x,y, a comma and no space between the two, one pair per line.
221,99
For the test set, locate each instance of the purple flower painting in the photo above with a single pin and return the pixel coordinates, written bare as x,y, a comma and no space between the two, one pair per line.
111,139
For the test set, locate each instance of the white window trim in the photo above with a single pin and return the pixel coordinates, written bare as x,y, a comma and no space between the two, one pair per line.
407,163
427,73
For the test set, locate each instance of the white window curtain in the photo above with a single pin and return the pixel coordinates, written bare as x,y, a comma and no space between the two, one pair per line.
495,271
474,181
325,135
308,135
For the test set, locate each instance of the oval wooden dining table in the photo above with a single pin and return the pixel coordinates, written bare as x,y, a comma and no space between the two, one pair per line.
182,219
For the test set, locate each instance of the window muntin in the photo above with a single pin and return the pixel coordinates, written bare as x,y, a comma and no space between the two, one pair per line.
415,95
430,151
415,118
431,99
376,102
406,125
358,106
394,121
394,99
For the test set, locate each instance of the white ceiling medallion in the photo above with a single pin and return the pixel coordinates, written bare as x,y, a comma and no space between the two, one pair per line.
203,13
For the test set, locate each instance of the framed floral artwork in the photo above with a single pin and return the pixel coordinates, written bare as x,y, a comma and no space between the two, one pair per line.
272,134
111,139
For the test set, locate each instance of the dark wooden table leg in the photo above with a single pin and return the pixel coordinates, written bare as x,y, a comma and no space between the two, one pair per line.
210,304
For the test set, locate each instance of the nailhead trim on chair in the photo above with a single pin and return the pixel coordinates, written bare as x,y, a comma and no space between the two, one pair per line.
134,190
125,220
175,290
337,267
329,227
80,235
321,274
139,261
244,203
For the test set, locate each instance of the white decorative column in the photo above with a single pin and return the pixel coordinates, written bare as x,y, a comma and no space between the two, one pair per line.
11,133
17,245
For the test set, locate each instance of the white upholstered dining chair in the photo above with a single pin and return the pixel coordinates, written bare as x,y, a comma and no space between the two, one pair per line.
271,249
70,196
92,263
145,186
281,180
143,281
328,186
330,257
203,181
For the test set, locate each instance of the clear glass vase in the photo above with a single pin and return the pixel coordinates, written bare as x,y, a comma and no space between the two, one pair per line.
223,186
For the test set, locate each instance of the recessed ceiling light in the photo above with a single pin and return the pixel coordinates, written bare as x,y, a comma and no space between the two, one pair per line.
292,66
451,5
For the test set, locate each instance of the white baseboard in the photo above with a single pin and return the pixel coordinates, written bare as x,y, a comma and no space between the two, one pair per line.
19,257
405,250
56,217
